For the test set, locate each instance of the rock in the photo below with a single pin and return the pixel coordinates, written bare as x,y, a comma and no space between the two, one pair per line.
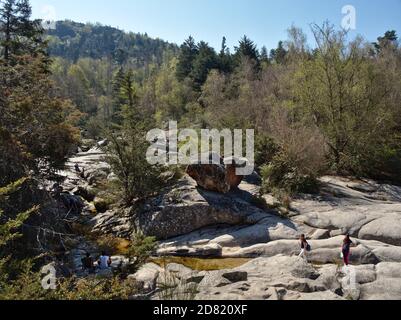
219,176
235,276
119,262
271,201
387,253
86,192
185,208
147,275
178,269
101,205
387,285
195,278
336,233
232,164
103,143
277,278
115,222
214,279
320,234
210,177
386,229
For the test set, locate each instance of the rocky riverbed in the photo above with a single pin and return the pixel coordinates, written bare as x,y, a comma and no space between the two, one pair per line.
189,221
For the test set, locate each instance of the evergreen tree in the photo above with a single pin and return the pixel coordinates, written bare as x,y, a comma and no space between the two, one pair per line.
205,60
264,56
225,60
19,34
247,49
278,55
188,53
116,94
389,38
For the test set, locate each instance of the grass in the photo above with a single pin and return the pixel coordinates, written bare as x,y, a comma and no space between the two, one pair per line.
202,264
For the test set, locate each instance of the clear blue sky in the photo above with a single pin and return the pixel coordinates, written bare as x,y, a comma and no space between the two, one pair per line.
264,21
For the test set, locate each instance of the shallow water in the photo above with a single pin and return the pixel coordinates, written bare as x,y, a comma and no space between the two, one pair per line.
202,264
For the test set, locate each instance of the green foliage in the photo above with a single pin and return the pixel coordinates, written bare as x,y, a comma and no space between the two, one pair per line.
188,52
95,289
279,55
140,250
9,231
247,50
206,60
343,91
72,41
281,174
127,157
20,35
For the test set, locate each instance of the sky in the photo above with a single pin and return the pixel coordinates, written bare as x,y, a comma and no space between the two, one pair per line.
264,21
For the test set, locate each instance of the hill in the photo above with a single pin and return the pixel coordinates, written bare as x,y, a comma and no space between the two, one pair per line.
72,40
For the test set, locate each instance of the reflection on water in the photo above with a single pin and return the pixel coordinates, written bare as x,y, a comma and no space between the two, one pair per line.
200,264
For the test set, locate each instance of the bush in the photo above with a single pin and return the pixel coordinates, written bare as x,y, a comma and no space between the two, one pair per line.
280,174
127,158
140,250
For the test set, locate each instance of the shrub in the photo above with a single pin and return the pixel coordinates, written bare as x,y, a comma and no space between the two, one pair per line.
140,250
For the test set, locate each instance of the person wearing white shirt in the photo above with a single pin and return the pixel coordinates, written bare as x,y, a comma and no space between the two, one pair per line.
104,261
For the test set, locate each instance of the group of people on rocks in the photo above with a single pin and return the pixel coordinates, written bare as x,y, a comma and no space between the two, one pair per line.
89,265
104,261
345,248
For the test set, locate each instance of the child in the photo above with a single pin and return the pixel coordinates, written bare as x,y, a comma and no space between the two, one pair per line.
304,247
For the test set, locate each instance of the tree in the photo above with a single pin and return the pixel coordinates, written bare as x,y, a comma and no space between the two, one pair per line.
36,125
264,56
389,38
278,55
128,147
19,34
204,62
247,49
342,92
225,59
188,53
9,231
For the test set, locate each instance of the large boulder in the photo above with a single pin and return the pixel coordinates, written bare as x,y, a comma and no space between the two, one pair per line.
276,278
186,208
386,229
209,176
219,176
147,276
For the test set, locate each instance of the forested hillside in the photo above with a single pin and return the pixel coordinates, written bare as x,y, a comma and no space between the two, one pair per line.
72,41
77,102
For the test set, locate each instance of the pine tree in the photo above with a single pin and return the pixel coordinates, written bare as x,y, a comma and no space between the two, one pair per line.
390,37
205,61
188,53
264,56
247,48
278,55
21,35
118,100
225,60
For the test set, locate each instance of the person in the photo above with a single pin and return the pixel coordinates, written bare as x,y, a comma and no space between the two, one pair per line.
304,247
346,249
104,261
87,263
